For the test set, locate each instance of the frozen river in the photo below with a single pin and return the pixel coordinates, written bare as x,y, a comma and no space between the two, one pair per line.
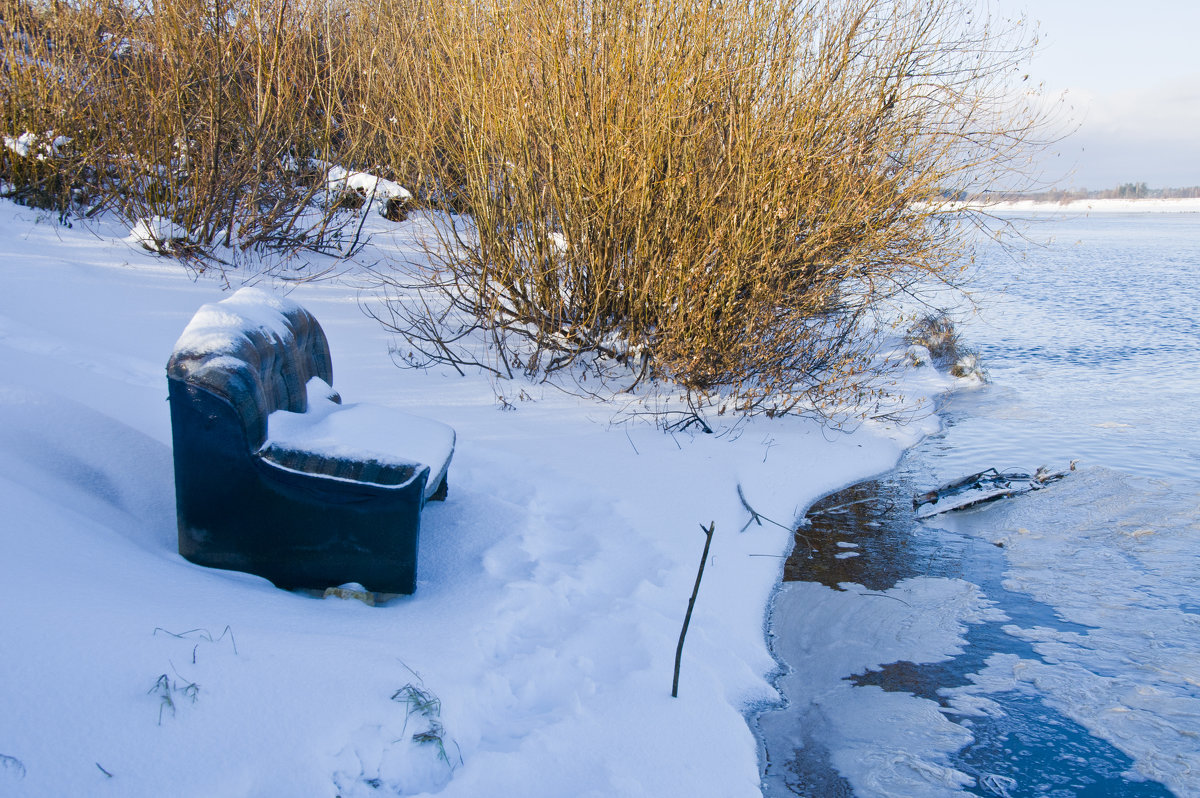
1045,645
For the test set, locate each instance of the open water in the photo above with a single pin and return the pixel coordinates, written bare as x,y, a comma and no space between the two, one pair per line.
1072,666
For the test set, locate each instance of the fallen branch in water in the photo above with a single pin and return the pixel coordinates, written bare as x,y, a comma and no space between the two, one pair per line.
985,486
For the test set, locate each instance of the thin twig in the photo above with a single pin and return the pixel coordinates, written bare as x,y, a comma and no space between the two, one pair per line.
687,619
759,517
755,518
885,595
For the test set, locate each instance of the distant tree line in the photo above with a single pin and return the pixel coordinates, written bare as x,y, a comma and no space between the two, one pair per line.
1123,191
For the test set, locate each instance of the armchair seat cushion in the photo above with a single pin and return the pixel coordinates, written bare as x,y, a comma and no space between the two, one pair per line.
356,470
359,442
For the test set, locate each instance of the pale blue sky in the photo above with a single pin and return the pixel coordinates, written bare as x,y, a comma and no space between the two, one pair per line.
1131,71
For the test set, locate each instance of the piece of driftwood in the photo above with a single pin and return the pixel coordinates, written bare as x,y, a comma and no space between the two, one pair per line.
985,486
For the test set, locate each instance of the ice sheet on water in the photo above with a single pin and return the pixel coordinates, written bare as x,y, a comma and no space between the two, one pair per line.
882,743
1118,555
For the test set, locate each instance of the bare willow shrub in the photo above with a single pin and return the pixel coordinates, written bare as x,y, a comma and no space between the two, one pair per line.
220,115
235,114
720,194
43,48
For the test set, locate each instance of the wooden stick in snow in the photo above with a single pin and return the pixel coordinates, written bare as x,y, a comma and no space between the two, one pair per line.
708,533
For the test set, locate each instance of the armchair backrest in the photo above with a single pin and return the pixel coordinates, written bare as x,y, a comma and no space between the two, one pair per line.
257,351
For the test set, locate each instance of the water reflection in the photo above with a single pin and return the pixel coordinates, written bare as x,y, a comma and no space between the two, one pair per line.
880,542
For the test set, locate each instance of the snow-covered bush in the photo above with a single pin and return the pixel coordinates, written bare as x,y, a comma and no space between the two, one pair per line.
389,197
160,235
190,110
722,195
936,335
728,192
36,170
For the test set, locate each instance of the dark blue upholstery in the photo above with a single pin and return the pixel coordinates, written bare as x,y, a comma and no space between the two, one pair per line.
300,519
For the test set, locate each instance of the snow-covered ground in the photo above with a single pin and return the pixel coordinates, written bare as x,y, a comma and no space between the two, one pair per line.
534,659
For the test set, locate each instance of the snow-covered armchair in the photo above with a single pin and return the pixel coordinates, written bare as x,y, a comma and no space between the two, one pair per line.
273,474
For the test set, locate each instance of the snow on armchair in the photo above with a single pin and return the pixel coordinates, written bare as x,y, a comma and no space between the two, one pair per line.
273,474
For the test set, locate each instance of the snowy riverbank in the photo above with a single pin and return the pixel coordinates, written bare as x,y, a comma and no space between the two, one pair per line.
551,588
1087,206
